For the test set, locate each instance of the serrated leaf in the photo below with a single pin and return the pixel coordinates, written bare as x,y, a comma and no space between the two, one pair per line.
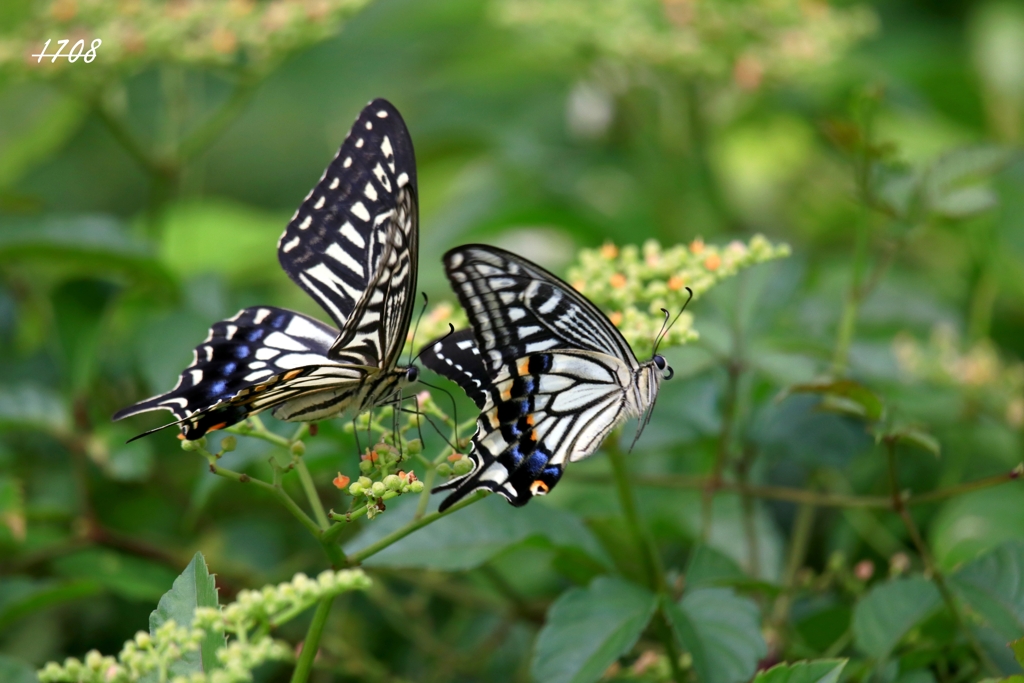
722,633
993,585
814,671
587,629
889,610
870,405
195,587
16,671
708,567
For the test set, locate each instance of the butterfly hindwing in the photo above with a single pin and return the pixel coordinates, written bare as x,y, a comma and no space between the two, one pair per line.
252,348
457,357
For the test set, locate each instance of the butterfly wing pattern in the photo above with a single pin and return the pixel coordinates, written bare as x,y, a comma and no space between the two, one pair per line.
353,246
550,372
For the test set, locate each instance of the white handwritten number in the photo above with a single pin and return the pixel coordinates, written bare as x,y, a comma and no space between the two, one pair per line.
91,54
43,53
80,46
73,54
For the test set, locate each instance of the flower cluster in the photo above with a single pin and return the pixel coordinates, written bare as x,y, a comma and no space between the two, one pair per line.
247,619
235,34
745,42
634,284
997,383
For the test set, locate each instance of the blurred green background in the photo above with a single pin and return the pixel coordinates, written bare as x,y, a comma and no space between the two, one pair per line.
142,194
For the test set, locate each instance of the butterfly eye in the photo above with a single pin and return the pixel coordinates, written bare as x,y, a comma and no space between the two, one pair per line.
659,362
412,374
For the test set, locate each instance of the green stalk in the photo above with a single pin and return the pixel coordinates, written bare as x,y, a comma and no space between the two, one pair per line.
652,561
310,489
312,642
930,567
851,306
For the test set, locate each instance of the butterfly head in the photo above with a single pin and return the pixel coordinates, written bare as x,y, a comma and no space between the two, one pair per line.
412,373
666,370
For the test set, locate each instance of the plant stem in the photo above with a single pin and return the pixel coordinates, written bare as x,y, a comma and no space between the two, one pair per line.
798,545
851,305
930,567
817,498
278,493
734,368
399,534
312,642
207,133
310,489
649,553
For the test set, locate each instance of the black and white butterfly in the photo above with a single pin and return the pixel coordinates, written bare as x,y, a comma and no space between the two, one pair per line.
353,246
551,374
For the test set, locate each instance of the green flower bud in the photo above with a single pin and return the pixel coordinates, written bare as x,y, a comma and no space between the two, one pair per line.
365,482
392,482
355,490
189,446
444,469
463,466
298,449
228,444
416,486
378,488
413,447
365,466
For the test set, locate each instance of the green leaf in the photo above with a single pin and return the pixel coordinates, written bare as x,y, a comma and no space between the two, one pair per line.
31,406
130,577
97,245
587,629
993,585
12,508
20,596
709,567
912,437
851,397
965,202
195,587
814,671
721,631
79,307
16,671
889,610
967,526
471,537
1018,650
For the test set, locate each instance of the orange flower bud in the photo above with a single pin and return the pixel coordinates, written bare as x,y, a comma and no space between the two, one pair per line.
712,262
616,318
341,481
675,283
617,280
697,246
609,251
454,456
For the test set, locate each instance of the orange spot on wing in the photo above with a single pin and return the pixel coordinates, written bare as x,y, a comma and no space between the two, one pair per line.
181,436
215,427
524,367
292,374
539,488
529,420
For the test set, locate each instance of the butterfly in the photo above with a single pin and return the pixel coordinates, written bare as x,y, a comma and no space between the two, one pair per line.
551,375
352,245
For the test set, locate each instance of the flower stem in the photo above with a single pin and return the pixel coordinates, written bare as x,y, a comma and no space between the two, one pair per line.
312,642
416,524
649,554
930,567
310,489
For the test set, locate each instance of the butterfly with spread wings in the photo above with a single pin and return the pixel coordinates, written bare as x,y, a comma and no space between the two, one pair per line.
548,370
352,245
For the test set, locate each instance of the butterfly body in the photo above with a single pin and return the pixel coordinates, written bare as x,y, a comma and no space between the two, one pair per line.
353,246
551,375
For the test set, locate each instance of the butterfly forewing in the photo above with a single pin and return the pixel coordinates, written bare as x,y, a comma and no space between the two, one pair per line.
517,308
352,243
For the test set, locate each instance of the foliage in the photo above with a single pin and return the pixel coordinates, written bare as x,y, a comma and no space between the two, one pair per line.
827,490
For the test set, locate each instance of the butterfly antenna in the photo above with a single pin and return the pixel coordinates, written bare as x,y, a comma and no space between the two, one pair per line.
416,327
666,328
432,424
451,331
661,332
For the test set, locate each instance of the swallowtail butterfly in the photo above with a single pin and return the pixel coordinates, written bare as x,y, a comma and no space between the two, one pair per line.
548,370
352,245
